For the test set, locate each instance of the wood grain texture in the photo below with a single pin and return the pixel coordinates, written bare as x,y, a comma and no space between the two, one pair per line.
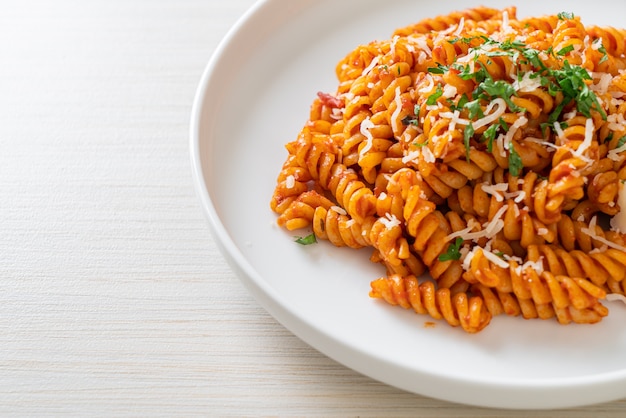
114,299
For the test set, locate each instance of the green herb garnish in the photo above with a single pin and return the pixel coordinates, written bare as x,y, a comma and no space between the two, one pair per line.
432,99
460,104
467,136
602,50
570,80
515,161
439,69
453,252
474,109
490,89
492,131
565,50
308,240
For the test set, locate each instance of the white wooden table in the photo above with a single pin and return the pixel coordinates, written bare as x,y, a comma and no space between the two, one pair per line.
114,299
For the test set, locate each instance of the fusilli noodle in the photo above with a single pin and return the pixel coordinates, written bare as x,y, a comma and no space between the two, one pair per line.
485,150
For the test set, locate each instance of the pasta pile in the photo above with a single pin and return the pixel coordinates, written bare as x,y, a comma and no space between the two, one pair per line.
484,150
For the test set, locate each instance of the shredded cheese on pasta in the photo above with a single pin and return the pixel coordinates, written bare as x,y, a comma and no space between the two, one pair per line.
390,221
366,125
591,231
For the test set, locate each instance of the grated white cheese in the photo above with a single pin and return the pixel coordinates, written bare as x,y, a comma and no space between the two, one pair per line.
491,114
495,259
412,156
290,181
428,155
597,250
337,113
339,210
428,87
366,125
467,258
503,141
559,131
596,44
604,81
463,232
614,154
348,96
370,67
490,229
496,224
395,116
551,147
390,221
519,122
464,250
506,27
449,91
616,95
616,121
442,34
394,41
495,190
501,146
422,44
570,115
517,196
459,28
528,83
535,265
589,128
470,59
591,231
421,57
454,119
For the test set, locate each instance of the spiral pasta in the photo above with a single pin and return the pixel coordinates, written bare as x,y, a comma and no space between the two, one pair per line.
484,150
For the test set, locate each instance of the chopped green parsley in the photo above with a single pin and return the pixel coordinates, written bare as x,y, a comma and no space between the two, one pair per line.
453,252
308,240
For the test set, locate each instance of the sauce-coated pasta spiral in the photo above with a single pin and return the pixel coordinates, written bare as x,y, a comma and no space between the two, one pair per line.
485,150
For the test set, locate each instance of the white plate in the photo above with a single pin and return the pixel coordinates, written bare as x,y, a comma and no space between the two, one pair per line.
253,98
